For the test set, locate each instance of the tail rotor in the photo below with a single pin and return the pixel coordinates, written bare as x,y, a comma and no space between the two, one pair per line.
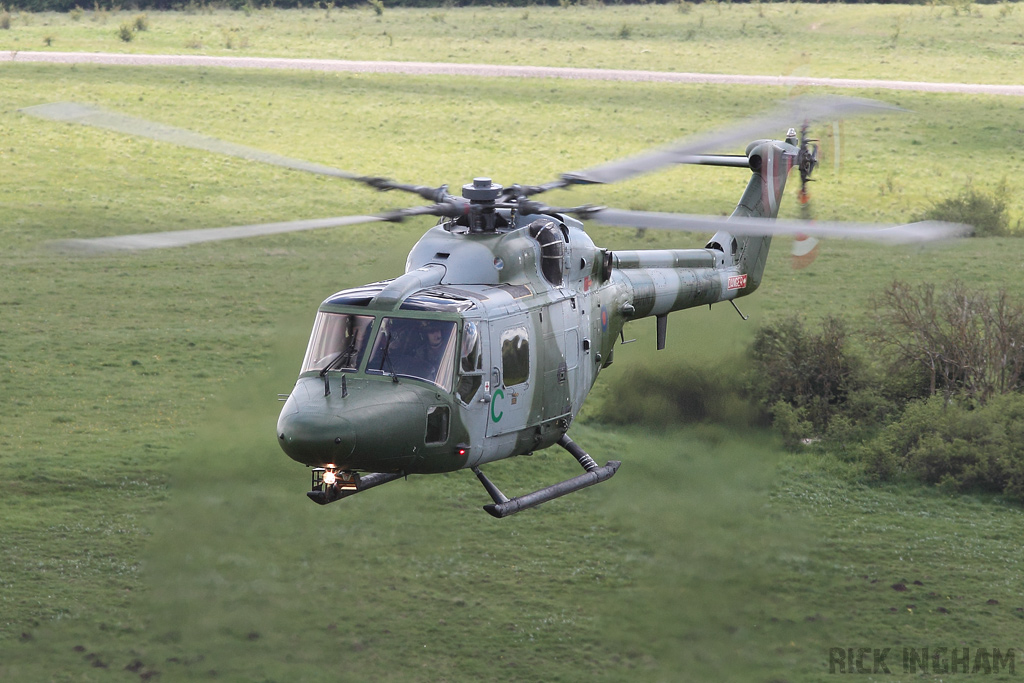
805,247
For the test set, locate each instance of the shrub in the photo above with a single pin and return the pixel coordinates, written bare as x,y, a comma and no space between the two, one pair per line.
954,445
125,32
790,423
809,371
662,396
987,212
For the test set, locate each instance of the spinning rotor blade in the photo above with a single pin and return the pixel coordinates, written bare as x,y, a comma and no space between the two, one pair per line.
181,238
86,115
800,110
909,233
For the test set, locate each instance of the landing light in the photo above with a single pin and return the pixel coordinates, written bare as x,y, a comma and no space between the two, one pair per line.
330,477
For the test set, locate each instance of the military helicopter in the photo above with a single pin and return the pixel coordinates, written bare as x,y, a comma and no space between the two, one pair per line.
488,344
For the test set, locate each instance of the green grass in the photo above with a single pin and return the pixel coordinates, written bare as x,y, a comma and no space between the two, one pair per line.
929,43
149,520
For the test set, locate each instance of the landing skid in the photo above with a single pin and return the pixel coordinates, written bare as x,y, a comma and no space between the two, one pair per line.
349,484
328,493
503,507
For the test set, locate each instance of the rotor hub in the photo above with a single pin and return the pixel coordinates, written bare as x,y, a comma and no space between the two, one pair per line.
482,190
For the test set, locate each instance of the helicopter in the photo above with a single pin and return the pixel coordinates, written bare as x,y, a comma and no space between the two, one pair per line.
487,345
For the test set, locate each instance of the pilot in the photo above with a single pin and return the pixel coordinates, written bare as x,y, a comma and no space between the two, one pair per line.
428,356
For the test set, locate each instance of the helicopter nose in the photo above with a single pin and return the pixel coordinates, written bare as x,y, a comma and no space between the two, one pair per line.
314,437
377,427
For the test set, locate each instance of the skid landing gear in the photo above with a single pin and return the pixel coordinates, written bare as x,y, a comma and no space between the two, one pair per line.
503,507
343,485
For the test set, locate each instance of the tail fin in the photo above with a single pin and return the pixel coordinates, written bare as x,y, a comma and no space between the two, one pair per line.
770,161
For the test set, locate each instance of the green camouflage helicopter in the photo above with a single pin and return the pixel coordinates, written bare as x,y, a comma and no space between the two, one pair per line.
488,344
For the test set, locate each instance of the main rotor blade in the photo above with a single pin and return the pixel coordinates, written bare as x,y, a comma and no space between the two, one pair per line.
909,233
181,238
789,113
87,115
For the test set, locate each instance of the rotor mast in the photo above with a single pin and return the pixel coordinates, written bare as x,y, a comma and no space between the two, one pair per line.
482,195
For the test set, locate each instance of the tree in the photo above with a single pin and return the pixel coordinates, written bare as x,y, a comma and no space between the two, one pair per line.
811,372
965,341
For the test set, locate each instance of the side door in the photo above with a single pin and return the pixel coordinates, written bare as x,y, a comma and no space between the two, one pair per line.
554,386
513,367
473,383
573,346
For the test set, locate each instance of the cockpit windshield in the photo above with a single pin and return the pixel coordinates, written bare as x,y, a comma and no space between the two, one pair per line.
407,347
337,342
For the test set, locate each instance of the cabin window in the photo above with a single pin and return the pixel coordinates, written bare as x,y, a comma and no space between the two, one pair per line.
515,356
418,348
552,249
338,342
470,363
438,418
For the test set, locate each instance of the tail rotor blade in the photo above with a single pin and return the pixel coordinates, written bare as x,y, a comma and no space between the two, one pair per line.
803,251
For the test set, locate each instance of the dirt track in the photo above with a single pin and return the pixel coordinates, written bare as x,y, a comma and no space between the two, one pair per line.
488,70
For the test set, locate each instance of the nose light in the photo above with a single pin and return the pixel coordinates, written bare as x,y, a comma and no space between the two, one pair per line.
330,477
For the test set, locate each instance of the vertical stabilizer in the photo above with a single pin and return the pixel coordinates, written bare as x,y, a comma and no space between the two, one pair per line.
770,161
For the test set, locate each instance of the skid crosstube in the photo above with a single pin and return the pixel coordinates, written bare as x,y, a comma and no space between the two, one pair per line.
503,506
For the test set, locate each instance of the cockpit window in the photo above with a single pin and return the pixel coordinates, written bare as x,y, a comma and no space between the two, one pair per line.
338,341
424,349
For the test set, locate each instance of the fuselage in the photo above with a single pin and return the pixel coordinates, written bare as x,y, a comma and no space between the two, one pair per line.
519,352
490,342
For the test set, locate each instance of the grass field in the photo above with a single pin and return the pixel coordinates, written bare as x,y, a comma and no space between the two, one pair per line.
941,42
151,526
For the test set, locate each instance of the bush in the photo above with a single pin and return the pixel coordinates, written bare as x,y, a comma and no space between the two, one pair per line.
954,445
790,424
812,372
663,396
986,212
